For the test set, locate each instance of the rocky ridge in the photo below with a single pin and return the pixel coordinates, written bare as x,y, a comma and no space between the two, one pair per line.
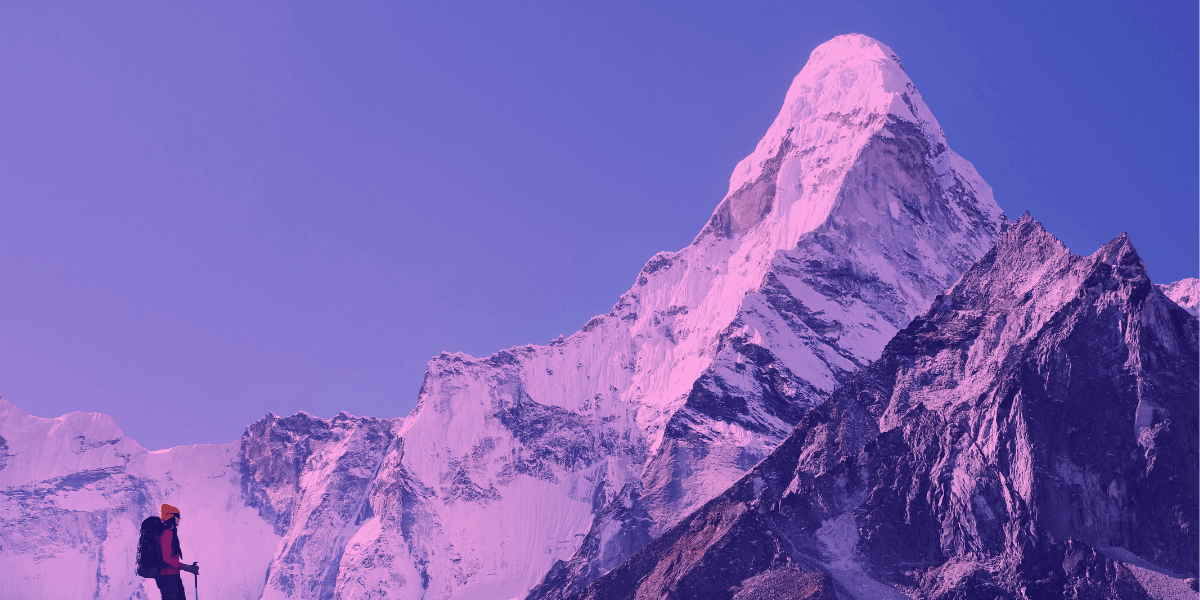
1033,435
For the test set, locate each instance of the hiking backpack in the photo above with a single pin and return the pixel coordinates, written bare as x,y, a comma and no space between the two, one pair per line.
149,552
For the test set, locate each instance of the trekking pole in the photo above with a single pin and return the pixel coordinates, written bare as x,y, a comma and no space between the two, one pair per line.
196,582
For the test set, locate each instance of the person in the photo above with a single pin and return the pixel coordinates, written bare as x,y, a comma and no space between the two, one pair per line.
169,583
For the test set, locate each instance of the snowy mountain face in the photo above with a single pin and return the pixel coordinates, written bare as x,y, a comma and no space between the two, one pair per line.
847,220
1033,435
74,490
269,517
851,215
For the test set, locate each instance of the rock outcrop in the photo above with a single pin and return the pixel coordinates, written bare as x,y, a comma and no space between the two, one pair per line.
1033,435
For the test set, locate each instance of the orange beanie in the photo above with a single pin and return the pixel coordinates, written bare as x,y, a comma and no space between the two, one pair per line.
167,511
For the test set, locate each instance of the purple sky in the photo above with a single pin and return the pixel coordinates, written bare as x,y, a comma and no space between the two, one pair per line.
214,210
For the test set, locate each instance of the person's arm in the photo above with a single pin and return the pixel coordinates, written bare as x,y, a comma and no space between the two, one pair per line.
165,543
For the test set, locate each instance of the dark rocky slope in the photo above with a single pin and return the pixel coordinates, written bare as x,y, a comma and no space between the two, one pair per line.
1033,435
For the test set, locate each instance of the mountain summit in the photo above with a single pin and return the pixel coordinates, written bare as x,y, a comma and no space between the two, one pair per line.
845,222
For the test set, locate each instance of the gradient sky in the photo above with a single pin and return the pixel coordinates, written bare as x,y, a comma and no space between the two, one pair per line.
215,210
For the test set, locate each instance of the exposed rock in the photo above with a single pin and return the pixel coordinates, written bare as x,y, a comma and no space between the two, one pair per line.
1043,409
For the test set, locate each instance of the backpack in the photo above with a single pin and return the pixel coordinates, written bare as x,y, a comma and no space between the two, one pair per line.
149,552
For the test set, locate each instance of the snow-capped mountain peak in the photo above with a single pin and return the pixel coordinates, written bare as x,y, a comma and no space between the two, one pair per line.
845,222
841,98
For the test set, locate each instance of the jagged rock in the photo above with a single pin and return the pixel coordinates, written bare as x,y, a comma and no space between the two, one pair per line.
310,479
1033,435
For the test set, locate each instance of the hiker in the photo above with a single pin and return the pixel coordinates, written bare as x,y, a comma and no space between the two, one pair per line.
168,580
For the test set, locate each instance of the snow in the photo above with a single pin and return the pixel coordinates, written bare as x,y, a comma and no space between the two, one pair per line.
76,489
848,75
58,447
839,537
228,538
1185,293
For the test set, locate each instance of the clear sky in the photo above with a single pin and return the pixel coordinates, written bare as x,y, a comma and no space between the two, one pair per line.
214,210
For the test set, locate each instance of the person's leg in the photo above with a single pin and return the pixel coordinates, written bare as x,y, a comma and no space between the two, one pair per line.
163,586
179,587
170,586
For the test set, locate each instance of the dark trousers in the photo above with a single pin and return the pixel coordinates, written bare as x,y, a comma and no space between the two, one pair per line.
171,587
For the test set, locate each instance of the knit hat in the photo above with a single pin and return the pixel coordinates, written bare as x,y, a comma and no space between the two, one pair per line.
167,511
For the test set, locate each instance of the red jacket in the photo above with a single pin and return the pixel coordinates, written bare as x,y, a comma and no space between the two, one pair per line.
173,562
